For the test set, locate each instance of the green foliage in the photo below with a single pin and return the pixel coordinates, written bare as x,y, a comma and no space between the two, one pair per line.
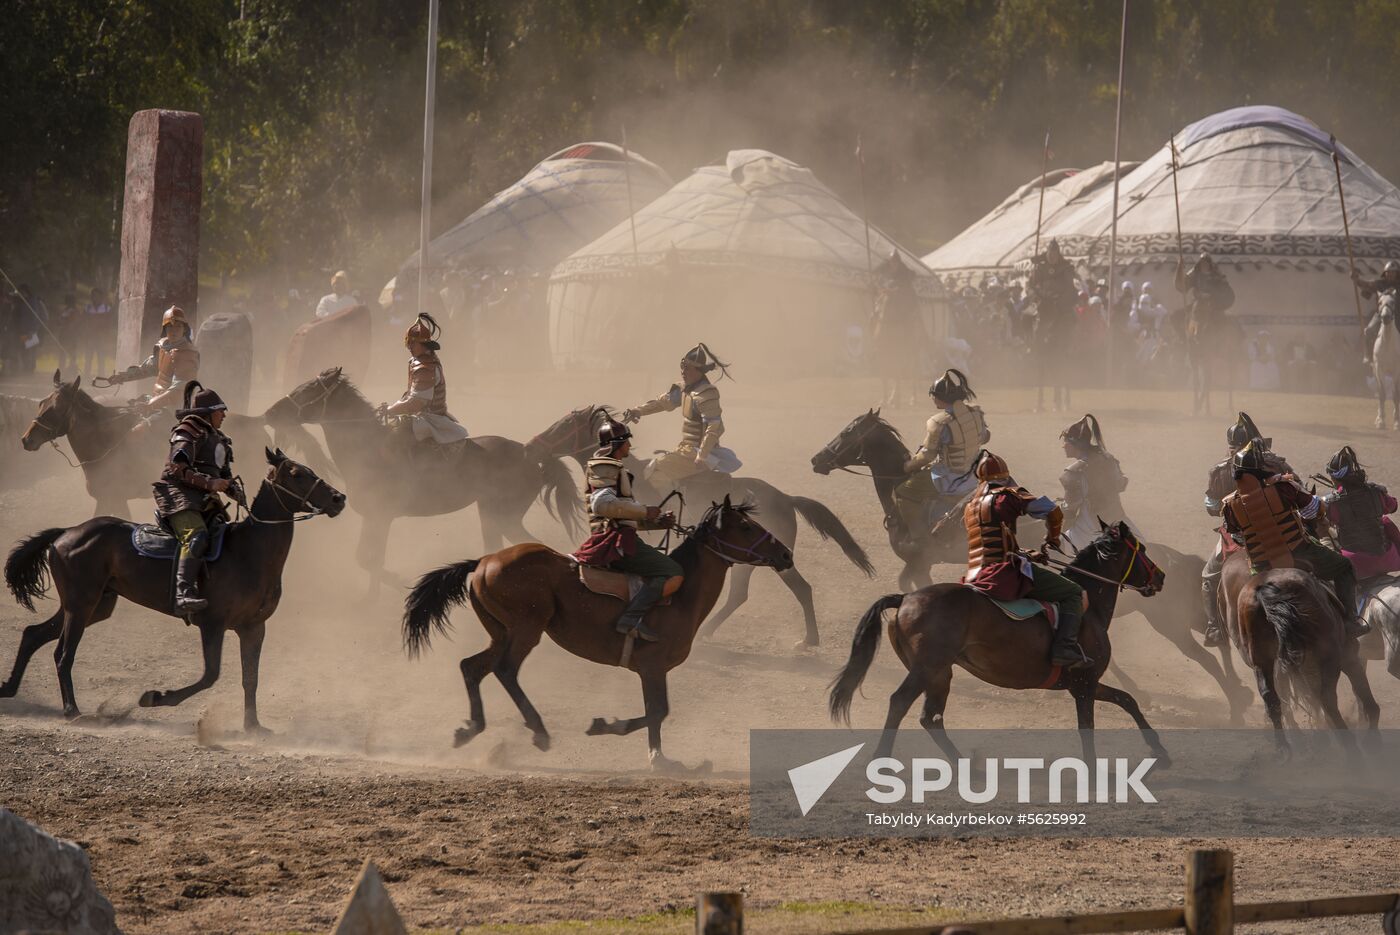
313,108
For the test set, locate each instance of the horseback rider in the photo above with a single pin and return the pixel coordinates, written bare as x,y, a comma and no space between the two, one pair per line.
997,568
1265,514
200,467
1052,288
1208,292
174,360
1093,483
614,517
702,422
942,467
423,405
1389,281
1358,512
1220,485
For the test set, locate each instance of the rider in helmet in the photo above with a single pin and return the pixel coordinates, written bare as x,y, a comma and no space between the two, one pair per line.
1221,485
996,567
1208,292
942,467
1389,281
423,405
1357,512
200,467
1093,483
1266,514
174,360
614,517
702,422
1053,289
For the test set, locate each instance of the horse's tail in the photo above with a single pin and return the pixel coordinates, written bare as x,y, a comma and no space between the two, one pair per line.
828,526
559,485
863,646
431,601
1290,622
27,566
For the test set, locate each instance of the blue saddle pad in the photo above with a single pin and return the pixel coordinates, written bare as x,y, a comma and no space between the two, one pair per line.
151,541
1024,608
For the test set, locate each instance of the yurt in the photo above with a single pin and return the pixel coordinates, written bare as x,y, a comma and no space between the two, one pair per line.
1258,191
991,246
753,255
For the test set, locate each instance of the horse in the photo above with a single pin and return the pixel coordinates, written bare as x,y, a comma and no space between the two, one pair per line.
392,476
1385,362
1284,620
1382,612
94,563
118,447
944,625
1209,343
506,590
576,436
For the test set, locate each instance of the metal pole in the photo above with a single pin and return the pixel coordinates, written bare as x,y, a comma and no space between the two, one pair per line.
627,179
1113,233
1346,228
425,208
1040,210
865,216
1176,197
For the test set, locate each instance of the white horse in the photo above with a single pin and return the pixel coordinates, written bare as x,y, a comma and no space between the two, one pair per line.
1382,612
1385,362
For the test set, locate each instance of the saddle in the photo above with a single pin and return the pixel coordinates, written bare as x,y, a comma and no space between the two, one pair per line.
612,583
152,541
1024,608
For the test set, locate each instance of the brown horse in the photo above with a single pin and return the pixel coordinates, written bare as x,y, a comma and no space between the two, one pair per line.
118,463
1285,621
576,436
526,591
94,563
392,476
944,625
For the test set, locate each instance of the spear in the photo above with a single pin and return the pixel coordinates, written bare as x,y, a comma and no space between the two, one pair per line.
1346,228
865,216
1176,196
627,180
1040,211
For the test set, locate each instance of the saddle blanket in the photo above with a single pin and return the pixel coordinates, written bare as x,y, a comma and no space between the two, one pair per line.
151,541
608,583
1024,608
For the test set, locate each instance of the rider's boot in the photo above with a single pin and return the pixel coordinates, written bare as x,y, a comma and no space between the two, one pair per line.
1210,595
188,600
1346,593
646,597
1065,650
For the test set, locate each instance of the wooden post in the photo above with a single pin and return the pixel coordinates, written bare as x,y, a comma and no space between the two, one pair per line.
1210,893
719,914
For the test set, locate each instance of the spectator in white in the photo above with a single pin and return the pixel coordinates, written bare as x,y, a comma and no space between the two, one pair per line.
339,298
1263,363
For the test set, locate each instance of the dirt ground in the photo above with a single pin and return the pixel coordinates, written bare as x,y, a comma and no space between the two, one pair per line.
192,826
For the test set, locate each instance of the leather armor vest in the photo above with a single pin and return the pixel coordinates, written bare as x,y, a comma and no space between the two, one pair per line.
1270,527
965,426
693,402
177,361
1359,512
1106,485
602,473
989,539
425,372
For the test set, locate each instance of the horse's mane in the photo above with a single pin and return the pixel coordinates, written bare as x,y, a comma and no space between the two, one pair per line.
882,422
341,381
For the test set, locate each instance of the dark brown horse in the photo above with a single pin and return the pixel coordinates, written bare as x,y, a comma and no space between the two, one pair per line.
872,443
944,625
390,475
118,463
92,564
526,591
1286,622
576,436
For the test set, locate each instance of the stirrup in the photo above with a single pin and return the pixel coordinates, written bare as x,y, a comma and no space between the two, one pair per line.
1070,657
639,629
1357,628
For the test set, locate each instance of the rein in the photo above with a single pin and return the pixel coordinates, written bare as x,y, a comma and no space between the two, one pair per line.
302,506
858,444
1121,584
737,554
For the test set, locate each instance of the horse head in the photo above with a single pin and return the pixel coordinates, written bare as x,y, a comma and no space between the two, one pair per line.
311,401
729,530
1125,559
298,489
850,445
56,413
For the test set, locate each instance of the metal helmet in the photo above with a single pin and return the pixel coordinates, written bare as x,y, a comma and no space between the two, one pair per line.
1239,434
703,359
952,386
612,434
1344,468
991,467
424,330
1085,433
1392,268
174,315
200,401
1052,249
1252,459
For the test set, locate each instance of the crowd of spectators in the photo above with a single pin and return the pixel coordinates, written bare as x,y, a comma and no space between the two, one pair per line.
80,335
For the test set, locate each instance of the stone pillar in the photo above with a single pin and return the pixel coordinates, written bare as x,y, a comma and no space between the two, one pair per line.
160,226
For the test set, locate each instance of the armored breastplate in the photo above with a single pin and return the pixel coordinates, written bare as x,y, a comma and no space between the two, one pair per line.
1271,529
989,539
430,365
1106,483
599,474
965,425
1359,514
176,361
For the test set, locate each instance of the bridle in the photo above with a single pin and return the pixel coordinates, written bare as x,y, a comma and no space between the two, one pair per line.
1139,553
840,444
731,553
56,432
327,391
302,504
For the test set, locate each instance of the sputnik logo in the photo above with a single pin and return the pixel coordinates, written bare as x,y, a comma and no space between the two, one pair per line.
811,780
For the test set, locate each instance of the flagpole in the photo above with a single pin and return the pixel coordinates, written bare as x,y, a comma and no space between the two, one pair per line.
1346,228
627,180
1113,234
1040,211
426,205
865,216
1176,197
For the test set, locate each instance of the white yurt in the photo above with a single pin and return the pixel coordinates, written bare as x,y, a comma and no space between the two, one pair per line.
991,246
1258,191
753,255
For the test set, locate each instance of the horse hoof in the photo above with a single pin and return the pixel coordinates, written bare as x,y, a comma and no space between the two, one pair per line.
541,741
599,726
464,734
257,730
149,699
806,644
72,714
8,691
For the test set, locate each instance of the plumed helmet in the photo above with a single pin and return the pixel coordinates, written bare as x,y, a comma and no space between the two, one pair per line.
991,467
174,315
612,433
1391,266
1252,459
199,401
703,359
1345,468
1239,434
952,386
1085,433
424,330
